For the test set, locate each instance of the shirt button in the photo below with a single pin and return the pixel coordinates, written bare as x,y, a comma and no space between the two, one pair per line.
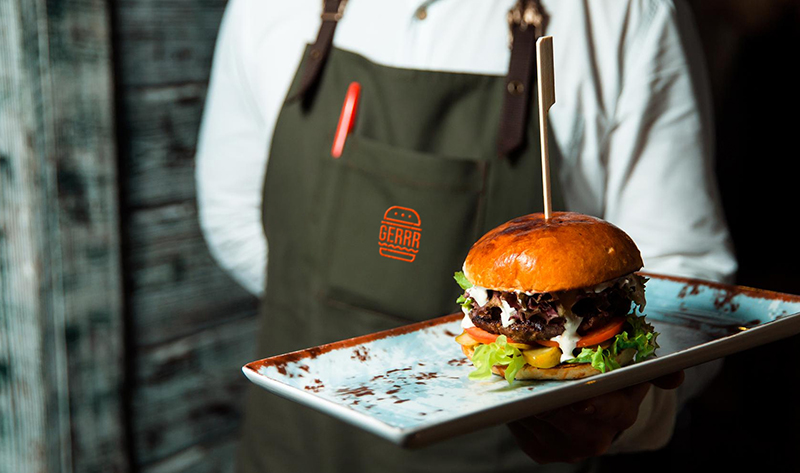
421,13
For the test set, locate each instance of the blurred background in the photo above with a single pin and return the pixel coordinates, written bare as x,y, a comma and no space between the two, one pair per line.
121,341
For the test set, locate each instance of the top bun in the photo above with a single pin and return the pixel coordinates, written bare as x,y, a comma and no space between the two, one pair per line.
569,251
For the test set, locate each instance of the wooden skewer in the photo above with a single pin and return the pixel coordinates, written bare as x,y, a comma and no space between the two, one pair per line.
547,97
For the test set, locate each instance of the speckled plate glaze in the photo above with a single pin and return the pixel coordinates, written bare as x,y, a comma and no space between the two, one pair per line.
378,382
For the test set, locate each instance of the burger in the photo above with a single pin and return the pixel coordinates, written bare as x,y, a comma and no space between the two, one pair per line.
555,298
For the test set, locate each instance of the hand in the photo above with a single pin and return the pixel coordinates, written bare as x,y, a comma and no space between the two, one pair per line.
587,428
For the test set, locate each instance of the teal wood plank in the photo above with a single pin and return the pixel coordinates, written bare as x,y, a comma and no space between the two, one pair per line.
61,323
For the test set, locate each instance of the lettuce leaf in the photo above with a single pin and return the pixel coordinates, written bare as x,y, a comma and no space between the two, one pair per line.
641,337
644,343
465,303
463,300
601,359
497,353
462,280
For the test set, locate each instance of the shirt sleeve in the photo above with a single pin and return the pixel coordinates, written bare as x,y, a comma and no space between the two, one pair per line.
661,187
232,157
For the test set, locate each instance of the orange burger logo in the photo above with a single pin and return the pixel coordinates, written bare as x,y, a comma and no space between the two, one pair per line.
401,229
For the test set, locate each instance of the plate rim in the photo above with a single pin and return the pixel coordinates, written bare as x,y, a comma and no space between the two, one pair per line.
427,433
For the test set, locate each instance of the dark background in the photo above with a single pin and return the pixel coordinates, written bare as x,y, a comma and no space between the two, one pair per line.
746,419
748,414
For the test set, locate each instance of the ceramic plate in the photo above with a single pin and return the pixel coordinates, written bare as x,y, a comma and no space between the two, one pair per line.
378,382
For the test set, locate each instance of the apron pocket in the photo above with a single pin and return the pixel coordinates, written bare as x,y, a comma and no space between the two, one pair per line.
401,223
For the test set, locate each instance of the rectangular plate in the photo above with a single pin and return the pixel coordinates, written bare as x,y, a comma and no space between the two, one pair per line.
409,385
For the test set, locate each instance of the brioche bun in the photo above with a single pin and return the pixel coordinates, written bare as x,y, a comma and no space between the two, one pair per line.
568,251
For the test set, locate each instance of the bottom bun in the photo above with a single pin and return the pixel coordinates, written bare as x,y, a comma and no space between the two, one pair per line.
563,371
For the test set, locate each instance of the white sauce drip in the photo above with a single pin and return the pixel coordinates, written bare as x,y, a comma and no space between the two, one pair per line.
479,294
507,313
604,285
466,322
568,340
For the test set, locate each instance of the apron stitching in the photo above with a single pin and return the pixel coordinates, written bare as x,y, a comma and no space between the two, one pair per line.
411,182
306,220
480,221
337,303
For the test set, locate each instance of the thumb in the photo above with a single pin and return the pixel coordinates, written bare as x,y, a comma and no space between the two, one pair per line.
670,381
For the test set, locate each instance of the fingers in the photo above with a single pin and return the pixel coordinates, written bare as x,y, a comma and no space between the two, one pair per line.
545,442
590,432
581,430
630,412
619,409
670,381
539,440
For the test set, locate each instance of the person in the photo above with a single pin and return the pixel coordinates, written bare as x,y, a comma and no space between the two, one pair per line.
444,127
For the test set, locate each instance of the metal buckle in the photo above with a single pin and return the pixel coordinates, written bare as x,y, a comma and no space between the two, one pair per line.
523,14
330,16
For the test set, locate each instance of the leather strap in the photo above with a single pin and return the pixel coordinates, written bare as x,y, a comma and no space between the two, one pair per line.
318,54
527,21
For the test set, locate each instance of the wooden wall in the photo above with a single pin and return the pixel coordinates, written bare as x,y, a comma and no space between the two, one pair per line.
121,341
191,328
61,318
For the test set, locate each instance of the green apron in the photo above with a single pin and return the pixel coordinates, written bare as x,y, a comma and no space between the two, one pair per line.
370,241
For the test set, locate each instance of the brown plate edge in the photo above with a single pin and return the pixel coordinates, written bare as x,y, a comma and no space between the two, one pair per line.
282,360
732,288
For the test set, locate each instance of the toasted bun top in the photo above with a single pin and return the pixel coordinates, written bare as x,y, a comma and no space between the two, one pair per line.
569,251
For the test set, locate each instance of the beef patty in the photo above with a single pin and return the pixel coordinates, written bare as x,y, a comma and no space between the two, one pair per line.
537,315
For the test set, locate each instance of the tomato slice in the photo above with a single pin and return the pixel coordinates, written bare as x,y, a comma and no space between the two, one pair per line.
595,337
482,336
592,338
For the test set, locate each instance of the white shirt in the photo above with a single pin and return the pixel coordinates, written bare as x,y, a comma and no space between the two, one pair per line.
631,118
